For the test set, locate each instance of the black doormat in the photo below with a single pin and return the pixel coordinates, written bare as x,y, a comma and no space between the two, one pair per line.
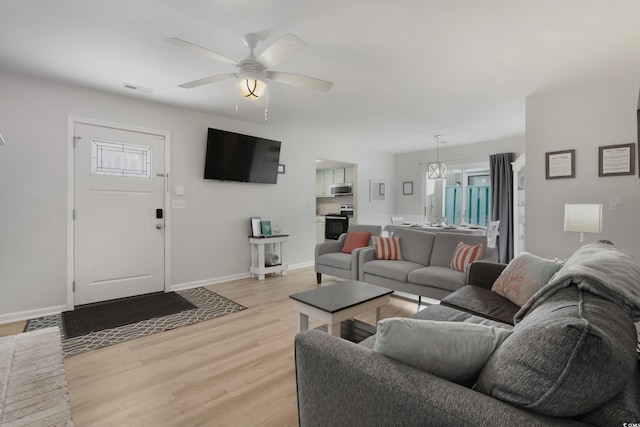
97,317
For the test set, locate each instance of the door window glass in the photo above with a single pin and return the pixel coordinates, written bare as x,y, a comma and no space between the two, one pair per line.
117,159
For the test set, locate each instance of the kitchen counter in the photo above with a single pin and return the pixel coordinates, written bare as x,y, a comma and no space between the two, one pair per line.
434,229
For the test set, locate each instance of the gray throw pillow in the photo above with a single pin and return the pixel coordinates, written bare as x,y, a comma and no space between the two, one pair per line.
455,351
567,357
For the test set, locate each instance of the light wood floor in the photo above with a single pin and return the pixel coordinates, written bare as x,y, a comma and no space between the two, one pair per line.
237,370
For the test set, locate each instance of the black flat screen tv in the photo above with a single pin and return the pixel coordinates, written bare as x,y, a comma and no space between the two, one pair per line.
242,158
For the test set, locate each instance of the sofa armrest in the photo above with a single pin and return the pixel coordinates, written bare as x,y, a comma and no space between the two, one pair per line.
484,273
328,247
365,255
341,383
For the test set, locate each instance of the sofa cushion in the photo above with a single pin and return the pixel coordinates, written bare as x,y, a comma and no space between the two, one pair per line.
466,254
416,246
482,302
396,270
455,351
387,248
440,312
355,240
525,275
565,358
445,245
438,277
336,259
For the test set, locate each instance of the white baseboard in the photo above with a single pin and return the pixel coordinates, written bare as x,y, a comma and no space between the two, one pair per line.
223,279
31,314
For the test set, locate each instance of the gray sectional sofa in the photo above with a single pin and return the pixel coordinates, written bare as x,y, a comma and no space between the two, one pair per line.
570,361
425,268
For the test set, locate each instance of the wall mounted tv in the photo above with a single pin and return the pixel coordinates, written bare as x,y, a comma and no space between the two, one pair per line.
243,158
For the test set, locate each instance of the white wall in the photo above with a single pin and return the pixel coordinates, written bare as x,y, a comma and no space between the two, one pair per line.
209,237
412,167
581,118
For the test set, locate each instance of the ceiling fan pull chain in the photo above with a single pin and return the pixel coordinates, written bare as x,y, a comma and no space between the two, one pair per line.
266,106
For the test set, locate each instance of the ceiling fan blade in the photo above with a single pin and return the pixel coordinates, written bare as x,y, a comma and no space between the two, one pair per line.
300,81
207,80
281,50
202,51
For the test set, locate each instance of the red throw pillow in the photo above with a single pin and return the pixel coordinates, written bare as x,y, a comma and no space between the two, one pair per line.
465,255
387,248
355,240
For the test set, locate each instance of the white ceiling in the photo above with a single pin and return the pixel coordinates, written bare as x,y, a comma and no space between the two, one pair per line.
403,71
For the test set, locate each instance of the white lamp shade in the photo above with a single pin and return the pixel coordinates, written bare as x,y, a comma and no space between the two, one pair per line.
252,84
583,218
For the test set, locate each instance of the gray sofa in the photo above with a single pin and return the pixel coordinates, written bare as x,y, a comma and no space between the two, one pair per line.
329,258
425,268
570,362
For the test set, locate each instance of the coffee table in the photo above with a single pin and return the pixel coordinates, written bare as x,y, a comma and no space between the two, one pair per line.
335,303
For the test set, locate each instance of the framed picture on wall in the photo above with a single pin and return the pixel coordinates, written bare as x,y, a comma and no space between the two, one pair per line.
407,188
615,160
560,164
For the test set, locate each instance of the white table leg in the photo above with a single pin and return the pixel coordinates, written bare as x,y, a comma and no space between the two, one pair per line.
304,322
334,329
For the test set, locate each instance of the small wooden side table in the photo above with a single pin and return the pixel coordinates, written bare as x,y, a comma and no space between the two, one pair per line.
258,268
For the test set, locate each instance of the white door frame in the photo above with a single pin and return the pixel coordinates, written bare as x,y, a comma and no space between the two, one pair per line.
71,122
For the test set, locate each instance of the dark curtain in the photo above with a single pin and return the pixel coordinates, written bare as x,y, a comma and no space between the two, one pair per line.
501,175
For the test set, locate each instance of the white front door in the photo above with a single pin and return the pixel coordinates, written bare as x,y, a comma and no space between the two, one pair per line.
119,213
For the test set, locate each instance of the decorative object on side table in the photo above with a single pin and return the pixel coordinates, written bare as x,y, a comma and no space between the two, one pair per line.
255,226
616,160
265,228
561,164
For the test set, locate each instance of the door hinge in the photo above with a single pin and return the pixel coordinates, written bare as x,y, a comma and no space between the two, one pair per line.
74,285
75,141
73,214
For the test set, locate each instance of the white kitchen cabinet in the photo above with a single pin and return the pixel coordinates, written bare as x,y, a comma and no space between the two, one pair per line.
348,174
324,181
338,176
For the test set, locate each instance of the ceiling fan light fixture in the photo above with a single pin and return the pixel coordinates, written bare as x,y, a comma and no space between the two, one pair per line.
252,84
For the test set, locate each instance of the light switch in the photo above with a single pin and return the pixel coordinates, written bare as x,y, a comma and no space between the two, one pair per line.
614,204
178,190
179,204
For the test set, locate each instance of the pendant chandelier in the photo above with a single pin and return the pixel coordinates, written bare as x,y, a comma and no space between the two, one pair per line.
437,170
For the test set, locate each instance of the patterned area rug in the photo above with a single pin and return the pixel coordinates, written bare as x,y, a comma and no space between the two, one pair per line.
209,305
33,385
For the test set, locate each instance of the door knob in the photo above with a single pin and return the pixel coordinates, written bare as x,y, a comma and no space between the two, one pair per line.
159,226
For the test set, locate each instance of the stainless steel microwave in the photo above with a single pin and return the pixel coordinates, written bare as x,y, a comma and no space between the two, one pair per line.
342,189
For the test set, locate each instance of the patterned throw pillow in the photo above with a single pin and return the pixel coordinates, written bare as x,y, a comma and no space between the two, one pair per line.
355,240
465,254
525,275
387,248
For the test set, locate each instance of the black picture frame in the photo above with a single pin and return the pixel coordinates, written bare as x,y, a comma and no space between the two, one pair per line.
617,160
560,164
407,188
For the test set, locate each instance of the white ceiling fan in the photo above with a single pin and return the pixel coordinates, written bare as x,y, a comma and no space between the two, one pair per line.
253,72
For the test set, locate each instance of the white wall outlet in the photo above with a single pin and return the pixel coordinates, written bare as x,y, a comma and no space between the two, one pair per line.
179,204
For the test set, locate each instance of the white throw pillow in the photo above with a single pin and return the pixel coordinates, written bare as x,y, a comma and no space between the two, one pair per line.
455,351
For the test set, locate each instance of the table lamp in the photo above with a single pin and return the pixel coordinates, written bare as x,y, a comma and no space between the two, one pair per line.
583,218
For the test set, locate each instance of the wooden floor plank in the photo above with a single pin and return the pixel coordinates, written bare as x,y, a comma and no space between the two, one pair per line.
236,370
